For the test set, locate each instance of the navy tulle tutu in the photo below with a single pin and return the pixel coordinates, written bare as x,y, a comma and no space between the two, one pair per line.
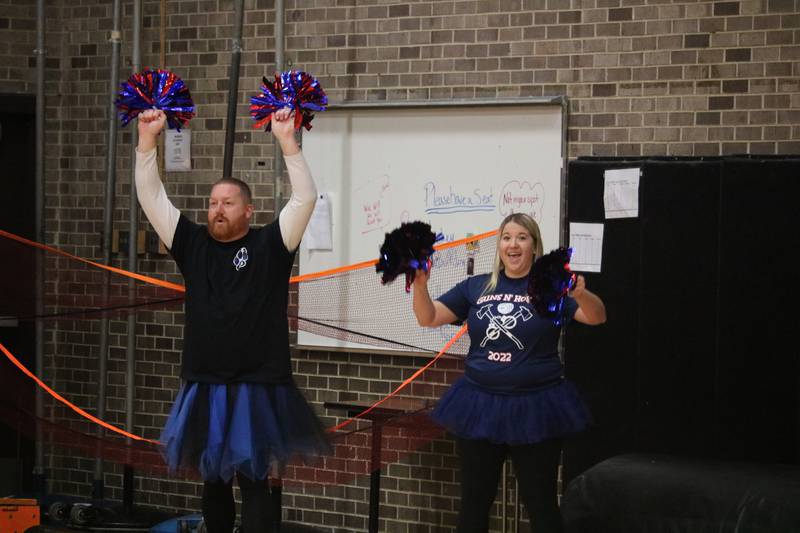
244,427
471,412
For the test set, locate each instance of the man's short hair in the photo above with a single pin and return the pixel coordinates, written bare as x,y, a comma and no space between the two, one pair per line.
244,188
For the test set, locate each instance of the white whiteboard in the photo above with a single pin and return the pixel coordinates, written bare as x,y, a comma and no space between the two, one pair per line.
461,168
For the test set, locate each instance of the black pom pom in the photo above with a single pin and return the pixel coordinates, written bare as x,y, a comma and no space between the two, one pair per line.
549,282
406,249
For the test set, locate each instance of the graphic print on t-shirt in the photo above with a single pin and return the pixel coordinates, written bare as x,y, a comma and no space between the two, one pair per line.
511,347
240,259
503,321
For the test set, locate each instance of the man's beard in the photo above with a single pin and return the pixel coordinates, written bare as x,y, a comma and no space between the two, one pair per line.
227,231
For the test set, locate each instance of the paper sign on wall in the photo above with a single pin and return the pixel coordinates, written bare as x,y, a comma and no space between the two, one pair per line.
621,192
178,150
586,241
319,232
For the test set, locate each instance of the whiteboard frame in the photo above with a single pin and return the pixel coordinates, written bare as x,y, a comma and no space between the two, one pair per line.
546,101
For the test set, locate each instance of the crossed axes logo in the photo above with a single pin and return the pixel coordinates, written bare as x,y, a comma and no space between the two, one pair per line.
502,323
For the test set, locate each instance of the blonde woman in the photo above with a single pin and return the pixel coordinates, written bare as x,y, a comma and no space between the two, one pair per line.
513,398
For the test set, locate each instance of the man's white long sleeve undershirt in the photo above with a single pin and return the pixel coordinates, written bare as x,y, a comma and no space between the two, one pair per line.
163,215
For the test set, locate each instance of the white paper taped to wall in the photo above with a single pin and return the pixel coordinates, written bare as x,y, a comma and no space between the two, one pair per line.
621,192
586,241
319,233
178,151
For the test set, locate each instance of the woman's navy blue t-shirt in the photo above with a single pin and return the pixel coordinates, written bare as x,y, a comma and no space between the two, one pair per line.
512,348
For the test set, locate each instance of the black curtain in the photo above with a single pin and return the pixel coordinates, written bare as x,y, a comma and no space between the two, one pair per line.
696,358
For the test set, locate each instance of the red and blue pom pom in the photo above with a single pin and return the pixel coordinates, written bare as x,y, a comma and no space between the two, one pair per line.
297,90
549,282
406,250
156,89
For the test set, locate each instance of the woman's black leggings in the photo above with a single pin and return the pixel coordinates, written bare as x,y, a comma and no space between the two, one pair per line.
219,509
536,470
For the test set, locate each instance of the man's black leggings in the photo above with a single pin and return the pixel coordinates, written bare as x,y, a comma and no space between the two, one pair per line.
219,509
536,470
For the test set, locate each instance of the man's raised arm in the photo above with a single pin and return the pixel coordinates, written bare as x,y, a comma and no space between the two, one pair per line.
163,216
294,217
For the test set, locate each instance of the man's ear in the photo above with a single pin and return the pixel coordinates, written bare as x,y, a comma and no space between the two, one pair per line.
248,211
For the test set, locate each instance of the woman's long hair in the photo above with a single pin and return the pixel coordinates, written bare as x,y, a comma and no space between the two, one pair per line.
527,222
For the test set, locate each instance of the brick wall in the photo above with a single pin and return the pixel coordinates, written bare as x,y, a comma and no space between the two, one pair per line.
642,77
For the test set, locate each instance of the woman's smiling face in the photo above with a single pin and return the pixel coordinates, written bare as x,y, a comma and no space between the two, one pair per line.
516,250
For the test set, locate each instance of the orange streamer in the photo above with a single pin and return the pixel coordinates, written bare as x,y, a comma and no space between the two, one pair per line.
66,402
134,275
405,383
372,262
181,288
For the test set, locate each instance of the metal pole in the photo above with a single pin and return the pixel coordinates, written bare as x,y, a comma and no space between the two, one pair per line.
38,467
278,172
111,179
504,496
133,224
516,504
375,475
233,88
280,48
563,234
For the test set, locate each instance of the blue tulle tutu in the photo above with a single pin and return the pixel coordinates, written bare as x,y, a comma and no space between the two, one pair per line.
244,427
471,412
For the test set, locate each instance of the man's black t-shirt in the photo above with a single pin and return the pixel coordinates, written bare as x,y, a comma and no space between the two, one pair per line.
236,299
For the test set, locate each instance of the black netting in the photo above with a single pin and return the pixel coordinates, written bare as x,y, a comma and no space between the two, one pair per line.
352,306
